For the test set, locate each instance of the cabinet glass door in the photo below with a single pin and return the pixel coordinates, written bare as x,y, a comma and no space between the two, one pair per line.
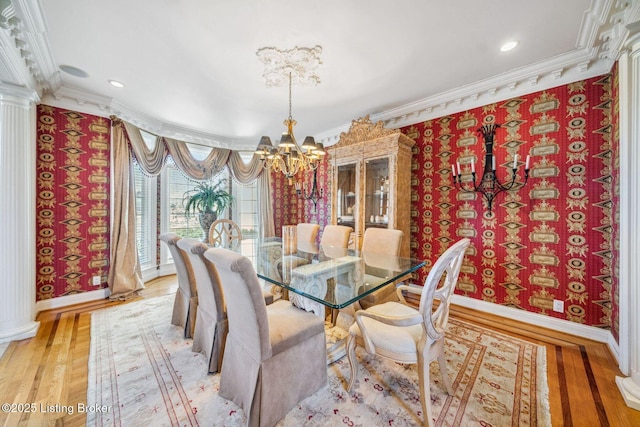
346,198
377,193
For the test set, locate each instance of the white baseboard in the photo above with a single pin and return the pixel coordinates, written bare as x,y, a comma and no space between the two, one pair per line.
64,301
572,328
28,330
98,294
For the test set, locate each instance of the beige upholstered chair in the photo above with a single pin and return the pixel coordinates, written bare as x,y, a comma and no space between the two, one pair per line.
336,236
275,355
307,235
306,246
225,233
383,241
211,323
405,335
185,305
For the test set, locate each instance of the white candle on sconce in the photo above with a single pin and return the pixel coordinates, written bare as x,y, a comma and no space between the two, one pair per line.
473,166
526,165
493,162
458,163
453,170
515,161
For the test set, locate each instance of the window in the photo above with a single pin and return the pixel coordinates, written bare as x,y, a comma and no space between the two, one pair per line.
245,214
145,190
179,222
177,184
173,218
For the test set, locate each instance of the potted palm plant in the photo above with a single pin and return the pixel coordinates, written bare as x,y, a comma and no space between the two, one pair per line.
207,199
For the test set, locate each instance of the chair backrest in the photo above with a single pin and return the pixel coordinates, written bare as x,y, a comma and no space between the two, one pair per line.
210,294
307,234
382,241
336,236
246,309
225,233
182,264
437,288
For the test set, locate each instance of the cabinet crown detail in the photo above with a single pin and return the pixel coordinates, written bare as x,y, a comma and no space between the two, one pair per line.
363,129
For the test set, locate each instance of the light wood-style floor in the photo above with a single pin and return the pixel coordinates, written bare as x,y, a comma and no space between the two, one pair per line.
51,368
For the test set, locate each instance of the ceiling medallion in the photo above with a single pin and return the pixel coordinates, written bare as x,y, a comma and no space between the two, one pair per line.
298,63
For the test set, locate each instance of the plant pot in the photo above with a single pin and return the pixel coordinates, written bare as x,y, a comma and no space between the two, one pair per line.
206,219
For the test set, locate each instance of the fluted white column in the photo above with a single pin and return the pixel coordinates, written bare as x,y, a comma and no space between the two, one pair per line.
629,78
17,213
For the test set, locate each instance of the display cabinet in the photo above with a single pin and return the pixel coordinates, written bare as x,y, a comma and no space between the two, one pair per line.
371,180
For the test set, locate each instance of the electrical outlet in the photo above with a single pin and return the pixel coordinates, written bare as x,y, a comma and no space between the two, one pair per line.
558,305
97,281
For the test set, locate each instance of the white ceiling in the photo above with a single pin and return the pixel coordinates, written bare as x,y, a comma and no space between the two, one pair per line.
191,70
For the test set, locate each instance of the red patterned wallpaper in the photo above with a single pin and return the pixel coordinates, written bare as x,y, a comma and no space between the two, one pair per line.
550,240
553,239
289,208
615,146
72,202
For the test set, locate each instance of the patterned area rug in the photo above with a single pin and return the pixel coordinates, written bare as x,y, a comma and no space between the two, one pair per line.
141,369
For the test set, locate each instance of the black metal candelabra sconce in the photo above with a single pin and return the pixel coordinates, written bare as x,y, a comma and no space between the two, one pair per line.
489,186
314,194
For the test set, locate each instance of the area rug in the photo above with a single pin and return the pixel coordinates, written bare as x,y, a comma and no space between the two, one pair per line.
143,372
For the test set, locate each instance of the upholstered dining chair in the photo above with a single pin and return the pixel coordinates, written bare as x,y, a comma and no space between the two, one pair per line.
335,236
405,335
307,235
383,241
225,233
275,355
306,246
211,322
185,305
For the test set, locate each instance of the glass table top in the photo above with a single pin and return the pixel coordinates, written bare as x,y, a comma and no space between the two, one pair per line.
334,277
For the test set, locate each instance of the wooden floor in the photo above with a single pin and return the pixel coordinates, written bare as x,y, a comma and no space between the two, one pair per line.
49,371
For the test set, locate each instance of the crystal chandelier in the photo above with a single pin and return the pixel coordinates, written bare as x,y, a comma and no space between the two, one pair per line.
289,158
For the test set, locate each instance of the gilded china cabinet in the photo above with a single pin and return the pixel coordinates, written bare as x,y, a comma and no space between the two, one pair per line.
371,180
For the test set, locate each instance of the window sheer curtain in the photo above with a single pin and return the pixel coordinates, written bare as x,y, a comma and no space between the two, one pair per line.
125,276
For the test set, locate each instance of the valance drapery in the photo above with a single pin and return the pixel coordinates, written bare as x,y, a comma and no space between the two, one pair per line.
196,169
125,277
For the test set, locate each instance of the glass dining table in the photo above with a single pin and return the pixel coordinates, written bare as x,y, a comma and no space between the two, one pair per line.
330,282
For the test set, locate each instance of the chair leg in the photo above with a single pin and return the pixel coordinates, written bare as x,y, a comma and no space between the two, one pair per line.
425,392
351,357
442,363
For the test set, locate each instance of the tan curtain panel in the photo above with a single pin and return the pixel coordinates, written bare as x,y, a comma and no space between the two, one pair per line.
196,169
246,173
150,161
125,278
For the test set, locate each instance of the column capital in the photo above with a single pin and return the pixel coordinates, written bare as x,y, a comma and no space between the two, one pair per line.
9,92
633,39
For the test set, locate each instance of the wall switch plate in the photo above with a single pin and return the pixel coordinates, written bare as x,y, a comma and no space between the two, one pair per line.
558,305
97,281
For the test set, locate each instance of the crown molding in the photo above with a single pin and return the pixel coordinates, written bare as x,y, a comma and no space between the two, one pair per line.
598,45
25,46
601,38
73,98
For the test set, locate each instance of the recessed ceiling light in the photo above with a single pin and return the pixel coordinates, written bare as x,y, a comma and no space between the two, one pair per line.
508,46
116,83
74,71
